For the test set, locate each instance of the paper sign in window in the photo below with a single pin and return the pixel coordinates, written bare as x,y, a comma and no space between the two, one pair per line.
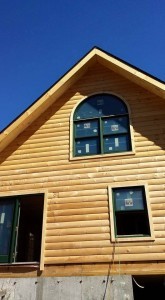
128,202
79,151
87,148
116,142
115,127
87,125
2,218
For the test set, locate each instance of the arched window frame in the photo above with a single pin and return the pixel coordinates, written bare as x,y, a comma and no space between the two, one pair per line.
72,133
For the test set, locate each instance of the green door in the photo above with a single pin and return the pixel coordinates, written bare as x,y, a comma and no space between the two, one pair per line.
9,214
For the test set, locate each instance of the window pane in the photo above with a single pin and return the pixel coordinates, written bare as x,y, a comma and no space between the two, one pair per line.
116,144
6,220
100,105
87,109
132,223
86,128
115,125
126,199
87,146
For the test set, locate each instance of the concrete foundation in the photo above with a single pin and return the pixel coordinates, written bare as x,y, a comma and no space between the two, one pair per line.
67,288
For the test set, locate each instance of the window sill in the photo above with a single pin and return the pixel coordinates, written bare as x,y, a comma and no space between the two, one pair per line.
132,239
21,264
115,154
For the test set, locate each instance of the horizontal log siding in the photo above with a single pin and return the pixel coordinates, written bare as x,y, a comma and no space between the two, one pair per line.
77,227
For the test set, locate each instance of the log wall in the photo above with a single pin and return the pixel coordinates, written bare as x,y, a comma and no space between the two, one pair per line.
77,216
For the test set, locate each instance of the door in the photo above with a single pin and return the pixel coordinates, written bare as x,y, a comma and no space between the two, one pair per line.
9,214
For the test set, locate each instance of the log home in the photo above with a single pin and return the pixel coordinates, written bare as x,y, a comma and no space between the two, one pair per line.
82,187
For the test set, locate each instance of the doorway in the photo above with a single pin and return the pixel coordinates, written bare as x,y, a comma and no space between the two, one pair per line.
21,220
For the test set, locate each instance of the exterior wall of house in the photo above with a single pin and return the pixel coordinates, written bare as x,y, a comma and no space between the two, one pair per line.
77,212
60,288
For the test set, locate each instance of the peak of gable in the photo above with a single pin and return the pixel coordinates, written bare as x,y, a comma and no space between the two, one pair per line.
76,72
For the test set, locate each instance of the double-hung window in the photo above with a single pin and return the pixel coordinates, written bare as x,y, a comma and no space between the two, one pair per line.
101,126
130,213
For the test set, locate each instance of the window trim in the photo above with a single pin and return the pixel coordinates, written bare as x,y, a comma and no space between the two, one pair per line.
101,155
132,238
43,234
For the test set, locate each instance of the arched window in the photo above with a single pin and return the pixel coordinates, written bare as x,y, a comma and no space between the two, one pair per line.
101,126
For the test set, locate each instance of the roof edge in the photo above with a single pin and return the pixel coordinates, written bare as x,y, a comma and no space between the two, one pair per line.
61,77
47,90
130,65
20,123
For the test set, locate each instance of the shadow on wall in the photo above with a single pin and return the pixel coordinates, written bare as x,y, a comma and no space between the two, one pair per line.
33,128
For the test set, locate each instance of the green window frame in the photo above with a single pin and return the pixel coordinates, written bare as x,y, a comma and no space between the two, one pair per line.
101,126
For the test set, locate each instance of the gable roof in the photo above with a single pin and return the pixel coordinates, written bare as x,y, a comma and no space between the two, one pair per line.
54,92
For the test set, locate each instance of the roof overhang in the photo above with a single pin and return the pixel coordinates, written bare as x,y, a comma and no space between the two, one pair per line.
50,96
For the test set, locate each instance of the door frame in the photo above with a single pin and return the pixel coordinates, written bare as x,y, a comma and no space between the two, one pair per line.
45,195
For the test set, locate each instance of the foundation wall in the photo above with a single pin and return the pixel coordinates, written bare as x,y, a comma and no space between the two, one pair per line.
67,288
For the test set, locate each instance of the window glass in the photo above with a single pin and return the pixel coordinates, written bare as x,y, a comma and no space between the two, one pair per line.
130,212
104,117
115,125
116,144
6,221
87,146
100,105
86,128
128,199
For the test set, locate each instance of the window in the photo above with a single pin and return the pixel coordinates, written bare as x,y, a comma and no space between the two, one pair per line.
129,213
101,126
21,228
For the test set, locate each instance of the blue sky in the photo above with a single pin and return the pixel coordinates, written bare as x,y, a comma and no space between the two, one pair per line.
41,40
